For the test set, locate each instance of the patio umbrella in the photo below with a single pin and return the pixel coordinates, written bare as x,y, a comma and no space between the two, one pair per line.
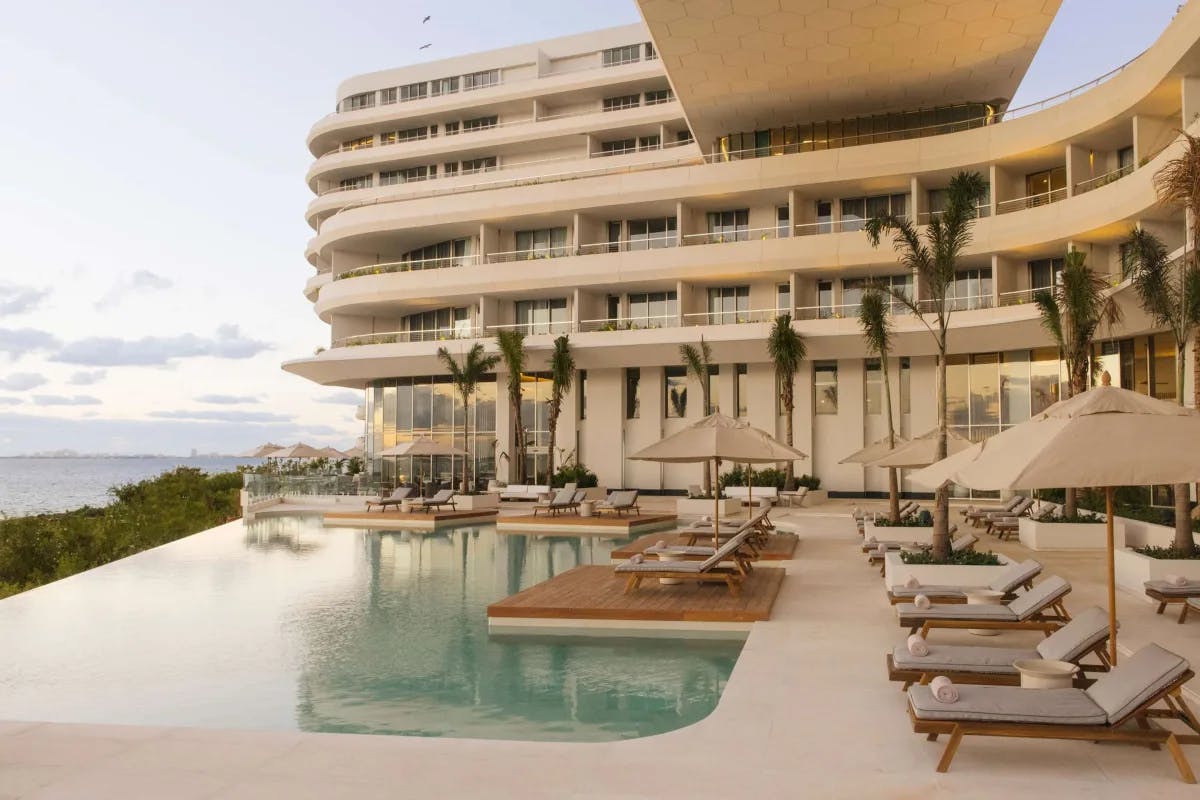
873,451
1105,437
718,438
921,451
423,447
356,452
297,450
332,452
262,451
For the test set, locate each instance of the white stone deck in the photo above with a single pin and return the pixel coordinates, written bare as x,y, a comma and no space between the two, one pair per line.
808,712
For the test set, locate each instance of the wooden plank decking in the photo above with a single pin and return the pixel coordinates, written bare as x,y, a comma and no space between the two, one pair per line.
595,592
575,525
398,520
780,546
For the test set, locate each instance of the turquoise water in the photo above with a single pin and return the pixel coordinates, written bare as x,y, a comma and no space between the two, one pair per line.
284,624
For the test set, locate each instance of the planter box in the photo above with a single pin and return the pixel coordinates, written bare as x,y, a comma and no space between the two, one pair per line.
476,502
687,507
896,572
898,533
816,496
1069,535
1134,569
1140,534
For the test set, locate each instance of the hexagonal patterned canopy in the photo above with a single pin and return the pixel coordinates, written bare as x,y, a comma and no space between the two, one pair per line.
741,65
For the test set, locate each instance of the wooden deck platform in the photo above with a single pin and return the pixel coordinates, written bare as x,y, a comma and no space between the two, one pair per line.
399,521
575,525
780,546
595,592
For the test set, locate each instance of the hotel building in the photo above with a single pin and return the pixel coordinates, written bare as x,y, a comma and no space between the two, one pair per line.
641,187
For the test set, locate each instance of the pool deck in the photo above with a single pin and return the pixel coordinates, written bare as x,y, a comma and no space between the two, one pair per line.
401,521
780,546
807,713
575,525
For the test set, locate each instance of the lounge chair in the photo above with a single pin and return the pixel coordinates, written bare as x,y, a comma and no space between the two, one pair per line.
760,523
1168,593
443,498
1085,635
563,500
978,514
962,543
1014,576
1126,694
1041,609
620,501
707,570
1006,523
897,544
398,496
745,554
694,491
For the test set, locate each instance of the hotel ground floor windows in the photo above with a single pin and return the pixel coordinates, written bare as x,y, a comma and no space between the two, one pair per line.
633,393
675,393
741,390
825,387
988,392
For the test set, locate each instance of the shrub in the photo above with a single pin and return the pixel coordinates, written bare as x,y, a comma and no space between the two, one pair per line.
1052,515
578,474
964,558
769,476
1165,552
922,520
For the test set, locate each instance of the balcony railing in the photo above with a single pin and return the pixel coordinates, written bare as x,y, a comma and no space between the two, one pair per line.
413,265
401,337
1103,180
1031,201
1018,297
633,323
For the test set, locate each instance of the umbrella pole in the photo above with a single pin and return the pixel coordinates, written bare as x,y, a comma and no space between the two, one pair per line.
749,494
716,487
1112,577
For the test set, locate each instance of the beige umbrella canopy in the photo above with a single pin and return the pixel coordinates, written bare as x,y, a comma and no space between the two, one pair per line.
873,451
332,452
356,452
719,438
423,447
298,450
1105,437
921,451
262,451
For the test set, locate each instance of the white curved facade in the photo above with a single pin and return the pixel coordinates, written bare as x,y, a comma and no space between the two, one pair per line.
563,194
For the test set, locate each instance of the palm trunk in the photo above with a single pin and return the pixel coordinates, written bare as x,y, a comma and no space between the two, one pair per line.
553,425
1196,392
518,436
1076,384
708,476
893,477
941,498
789,408
1184,540
466,479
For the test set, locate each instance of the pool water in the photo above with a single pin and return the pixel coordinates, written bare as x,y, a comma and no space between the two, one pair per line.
283,624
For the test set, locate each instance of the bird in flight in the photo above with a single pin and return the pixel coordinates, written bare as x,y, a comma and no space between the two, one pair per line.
422,47
425,20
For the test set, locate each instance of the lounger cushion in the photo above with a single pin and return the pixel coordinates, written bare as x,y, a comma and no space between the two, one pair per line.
1010,704
660,566
680,550
1191,589
932,591
963,658
1133,682
911,615
1014,575
1078,636
1039,597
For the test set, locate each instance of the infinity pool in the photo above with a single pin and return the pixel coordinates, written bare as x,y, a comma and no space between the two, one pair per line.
284,624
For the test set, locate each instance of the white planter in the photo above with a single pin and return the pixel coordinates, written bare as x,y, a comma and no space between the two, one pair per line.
1039,673
476,502
1069,535
1140,534
1134,569
896,572
897,533
687,507
816,496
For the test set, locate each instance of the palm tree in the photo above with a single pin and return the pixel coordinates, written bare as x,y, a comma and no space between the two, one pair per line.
874,317
511,342
933,256
786,349
465,376
698,363
1071,313
1170,294
562,374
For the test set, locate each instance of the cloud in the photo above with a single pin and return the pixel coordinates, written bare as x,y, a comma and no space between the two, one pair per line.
223,416
153,351
16,342
63,400
342,397
87,377
22,381
9,401
142,280
20,299
226,399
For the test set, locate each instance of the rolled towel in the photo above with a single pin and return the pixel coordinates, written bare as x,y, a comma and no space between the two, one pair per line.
706,518
921,602
943,690
917,646
1176,580
881,550
871,539
911,582
637,558
661,543
970,509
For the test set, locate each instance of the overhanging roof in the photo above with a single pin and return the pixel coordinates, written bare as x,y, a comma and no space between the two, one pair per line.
739,65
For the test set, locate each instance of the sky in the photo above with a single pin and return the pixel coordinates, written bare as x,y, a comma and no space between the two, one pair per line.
153,194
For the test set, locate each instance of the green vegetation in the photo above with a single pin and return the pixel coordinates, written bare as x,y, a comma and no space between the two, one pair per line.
965,558
766,477
466,375
1051,516
1166,552
787,349
578,474
922,520
43,548
562,375
874,317
698,363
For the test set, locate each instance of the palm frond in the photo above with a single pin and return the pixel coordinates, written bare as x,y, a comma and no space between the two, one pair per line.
874,317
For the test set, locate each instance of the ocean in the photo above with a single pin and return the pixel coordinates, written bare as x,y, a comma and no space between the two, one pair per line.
46,485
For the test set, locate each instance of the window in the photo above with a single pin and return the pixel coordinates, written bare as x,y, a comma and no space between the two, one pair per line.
622,102
414,91
683,137
1162,366
581,382
825,387
825,299
857,210
675,392
1044,273
729,226
650,53
783,298
783,227
359,143
652,309
478,124
905,386
1128,259
741,389
480,80
474,165
409,135
618,147
824,211
650,142
853,288
436,256
616,56
633,395
444,323
714,390
407,175
1125,159
873,387
443,86
614,236
613,304
357,101
1047,186
658,97
450,169
451,128
650,234
972,288
388,96
728,305
543,243
543,316
938,198
358,182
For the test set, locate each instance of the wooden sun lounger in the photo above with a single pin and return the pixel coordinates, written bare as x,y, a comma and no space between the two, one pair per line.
394,499
1039,609
1014,576
1167,594
1129,693
707,571
443,498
